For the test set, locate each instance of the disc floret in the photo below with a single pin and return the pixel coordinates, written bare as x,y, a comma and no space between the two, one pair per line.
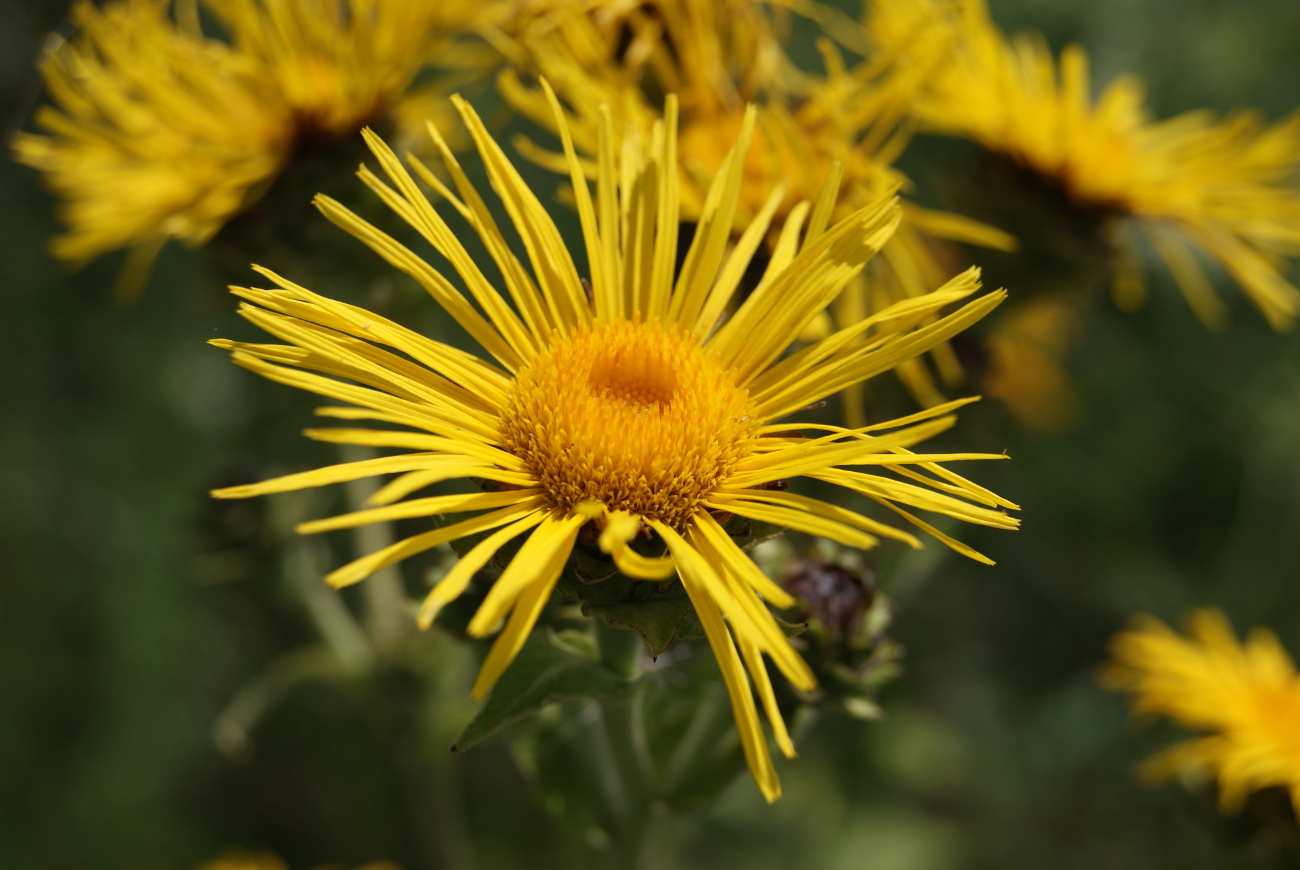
634,415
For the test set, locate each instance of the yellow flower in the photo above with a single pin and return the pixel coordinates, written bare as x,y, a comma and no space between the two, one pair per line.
1247,697
1223,188
631,407
158,132
717,56
340,64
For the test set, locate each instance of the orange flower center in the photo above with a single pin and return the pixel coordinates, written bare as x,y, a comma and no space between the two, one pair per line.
634,415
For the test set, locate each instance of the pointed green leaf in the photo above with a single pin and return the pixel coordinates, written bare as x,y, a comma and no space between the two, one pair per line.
545,670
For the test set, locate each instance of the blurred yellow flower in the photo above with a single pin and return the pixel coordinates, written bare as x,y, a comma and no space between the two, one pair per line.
159,132
624,404
1026,354
717,56
1246,695
1221,187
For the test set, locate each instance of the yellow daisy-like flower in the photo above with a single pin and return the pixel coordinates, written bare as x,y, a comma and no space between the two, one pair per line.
1196,183
1246,695
341,64
717,56
159,132
633,407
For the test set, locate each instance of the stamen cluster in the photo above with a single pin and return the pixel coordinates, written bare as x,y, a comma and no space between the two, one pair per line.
634,415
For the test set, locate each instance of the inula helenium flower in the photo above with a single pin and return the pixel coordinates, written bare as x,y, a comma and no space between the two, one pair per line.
635,408
158,131
1224,188
1246,696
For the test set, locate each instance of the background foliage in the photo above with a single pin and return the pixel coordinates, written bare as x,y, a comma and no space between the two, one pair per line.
133,609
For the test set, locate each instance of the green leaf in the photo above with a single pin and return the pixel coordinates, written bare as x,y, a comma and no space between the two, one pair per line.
545,671
749,533
654,609
588,568
657,622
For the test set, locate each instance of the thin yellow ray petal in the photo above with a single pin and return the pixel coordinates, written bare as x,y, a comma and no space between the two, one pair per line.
713,230
390,555
528,603
466,369
892,319
420,507
442,290
737,262
726,499
556,275
796,459
600,280
340,473
454,582
919,416
817,382
620,529
740,563
367,364
758,673
528,567
957,484
640,567
610,223
522,289
484,453
697,577
668,217
415,209
950,541
402,486
366,397
523,617
798,520
347,412
821,213
923,498
739,600
778,310
1189,276
787,243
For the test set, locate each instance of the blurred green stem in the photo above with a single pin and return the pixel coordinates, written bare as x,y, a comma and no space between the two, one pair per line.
623,719
386,617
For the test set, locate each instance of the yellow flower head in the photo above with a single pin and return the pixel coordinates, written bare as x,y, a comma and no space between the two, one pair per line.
1247,696
634,408
718,56
159,132
340,64
1221,187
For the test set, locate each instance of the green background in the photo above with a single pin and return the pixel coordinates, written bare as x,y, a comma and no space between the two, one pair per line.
133,608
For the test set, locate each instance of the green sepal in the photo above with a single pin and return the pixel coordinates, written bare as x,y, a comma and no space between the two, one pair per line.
654,609
588,568
547,669
749,533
